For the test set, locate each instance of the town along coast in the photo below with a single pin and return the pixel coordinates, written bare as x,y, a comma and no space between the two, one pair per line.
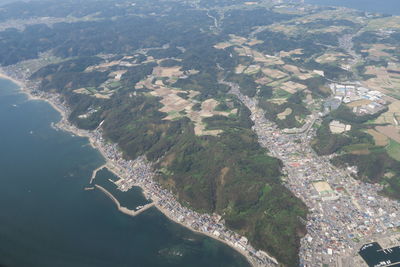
50,219
140,173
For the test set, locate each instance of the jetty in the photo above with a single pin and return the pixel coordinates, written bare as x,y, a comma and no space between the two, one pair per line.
124,209
94,173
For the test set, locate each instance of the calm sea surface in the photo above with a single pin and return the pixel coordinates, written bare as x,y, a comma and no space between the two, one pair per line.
381,6
47,219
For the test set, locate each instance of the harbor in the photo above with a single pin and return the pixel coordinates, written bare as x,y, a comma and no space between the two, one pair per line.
125,210
46,189
374,255
140,173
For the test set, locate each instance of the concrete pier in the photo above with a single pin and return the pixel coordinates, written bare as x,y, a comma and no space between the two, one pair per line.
94,173
124,209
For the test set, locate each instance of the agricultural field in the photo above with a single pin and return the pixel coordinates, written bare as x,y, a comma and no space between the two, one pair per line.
390,131
384,80
379,138
380,23
331,57
393,149
377,51
158,87
285,113
178,103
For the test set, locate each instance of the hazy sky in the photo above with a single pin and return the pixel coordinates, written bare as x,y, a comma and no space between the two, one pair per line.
381,6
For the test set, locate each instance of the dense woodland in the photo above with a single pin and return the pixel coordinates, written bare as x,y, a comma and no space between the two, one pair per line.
229,173
357,148
239,181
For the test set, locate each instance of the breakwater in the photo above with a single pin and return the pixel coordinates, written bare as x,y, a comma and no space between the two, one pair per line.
121,208
94,173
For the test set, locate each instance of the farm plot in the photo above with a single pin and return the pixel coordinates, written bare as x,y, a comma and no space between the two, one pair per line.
292,87
176,106
392,116
379,139
274,73
376,51
385,81
390,131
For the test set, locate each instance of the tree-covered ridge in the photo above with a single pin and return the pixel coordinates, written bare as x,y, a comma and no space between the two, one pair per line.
372,144
151,70
237,181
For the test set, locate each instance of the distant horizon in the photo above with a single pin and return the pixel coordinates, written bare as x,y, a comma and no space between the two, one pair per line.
391,7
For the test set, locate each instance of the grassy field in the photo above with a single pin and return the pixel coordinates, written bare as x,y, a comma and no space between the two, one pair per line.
358,149
393,150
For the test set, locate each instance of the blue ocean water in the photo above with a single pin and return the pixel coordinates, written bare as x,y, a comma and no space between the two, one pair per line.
47,219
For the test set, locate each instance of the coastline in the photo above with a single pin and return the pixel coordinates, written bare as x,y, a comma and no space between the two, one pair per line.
65,125
170,217
6,77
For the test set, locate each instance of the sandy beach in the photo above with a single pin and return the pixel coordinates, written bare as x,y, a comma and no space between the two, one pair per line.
5,77
64,124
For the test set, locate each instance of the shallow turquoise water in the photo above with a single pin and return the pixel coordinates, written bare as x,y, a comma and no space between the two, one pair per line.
47,219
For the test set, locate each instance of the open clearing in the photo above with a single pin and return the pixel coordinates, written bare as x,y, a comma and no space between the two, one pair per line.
392,22
274,73
167,71
298,51
106,94
322,187
117,74
337,127
330,57
359,103
376,51
390,131
222,45
285,113
392,116
301,74
278,101
207,110
252,69
253,42
292,87
240,68
263,81
176,106
82,91
237,41
393,150
106,65
383,80
380,139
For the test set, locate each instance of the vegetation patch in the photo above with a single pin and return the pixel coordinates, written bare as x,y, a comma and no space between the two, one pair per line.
379,139
393,150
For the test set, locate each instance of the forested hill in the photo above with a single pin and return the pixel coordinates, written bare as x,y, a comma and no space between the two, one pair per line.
151,70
